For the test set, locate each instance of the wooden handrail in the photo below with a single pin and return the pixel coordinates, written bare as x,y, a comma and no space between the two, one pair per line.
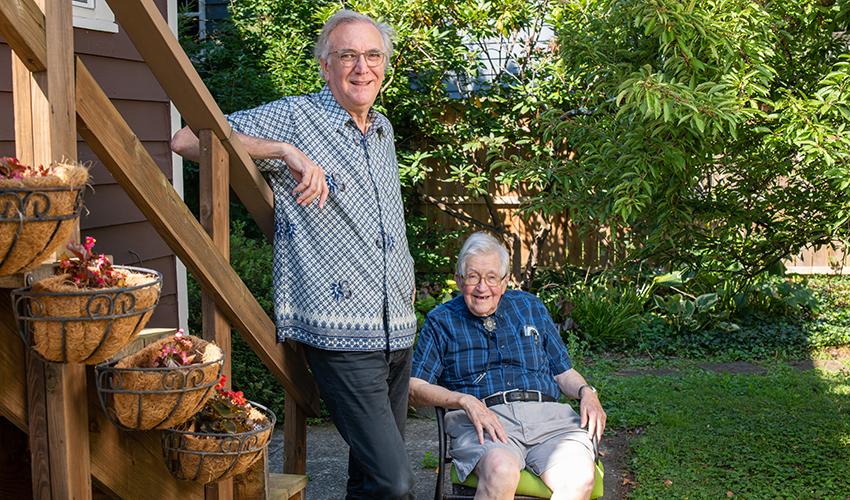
22,25
109,136
154,40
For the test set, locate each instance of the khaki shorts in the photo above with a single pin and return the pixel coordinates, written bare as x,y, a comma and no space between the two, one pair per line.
534,431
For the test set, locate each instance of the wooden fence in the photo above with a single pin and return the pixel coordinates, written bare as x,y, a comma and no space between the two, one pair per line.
565,243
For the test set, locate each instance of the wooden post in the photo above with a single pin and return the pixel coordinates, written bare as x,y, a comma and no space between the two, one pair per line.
45,131
295,441
215,217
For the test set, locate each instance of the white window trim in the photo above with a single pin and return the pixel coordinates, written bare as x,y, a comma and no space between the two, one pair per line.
177,182
94,15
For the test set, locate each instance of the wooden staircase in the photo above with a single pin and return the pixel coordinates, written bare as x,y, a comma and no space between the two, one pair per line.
73,446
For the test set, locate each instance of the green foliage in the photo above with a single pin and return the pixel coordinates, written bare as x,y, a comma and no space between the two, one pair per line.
700,434
429,461
718,132
772,317
607,315
430,296
433,248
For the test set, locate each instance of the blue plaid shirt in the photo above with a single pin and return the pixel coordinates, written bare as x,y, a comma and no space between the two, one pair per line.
342,275
524,352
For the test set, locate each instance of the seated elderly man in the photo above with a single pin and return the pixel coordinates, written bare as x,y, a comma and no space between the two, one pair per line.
496,355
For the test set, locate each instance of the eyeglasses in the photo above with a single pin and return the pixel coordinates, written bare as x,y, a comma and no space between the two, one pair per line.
349,58
473,279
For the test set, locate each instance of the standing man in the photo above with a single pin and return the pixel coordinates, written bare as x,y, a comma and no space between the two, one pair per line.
342,270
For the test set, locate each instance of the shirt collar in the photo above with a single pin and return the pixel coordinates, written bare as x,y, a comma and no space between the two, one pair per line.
340,118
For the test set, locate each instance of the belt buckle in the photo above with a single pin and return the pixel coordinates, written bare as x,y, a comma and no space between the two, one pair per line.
505,397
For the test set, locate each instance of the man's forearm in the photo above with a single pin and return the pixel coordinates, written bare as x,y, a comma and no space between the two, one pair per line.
424,394
570,382
186,144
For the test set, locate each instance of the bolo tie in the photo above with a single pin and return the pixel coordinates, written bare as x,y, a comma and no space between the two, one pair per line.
489,326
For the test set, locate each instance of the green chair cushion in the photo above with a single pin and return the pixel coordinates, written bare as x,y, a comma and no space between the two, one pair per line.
531,485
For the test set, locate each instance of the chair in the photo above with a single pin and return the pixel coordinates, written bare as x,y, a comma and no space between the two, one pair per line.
530,486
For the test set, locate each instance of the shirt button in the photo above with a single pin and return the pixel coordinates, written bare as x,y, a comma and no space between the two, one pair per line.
378,242
509,384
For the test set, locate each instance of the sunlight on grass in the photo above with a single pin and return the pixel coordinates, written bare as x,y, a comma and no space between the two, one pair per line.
704,434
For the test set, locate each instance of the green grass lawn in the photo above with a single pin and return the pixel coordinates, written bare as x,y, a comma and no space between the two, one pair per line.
782,434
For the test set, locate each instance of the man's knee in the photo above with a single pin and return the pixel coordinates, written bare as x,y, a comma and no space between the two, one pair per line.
398,486
578,481
499,467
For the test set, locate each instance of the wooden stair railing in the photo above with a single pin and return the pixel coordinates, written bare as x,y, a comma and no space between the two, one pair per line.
25,28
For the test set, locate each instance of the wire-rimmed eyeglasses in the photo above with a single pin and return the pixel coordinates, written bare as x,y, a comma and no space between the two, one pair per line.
473,279
349,58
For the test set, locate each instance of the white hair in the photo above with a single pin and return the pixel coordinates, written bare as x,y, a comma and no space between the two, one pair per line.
481,243
346,16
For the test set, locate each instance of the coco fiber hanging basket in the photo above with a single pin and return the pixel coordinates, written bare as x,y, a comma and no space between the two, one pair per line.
37,213
206,457
67,324
137,396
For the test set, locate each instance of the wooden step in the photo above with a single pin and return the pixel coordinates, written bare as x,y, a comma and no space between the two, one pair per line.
286,486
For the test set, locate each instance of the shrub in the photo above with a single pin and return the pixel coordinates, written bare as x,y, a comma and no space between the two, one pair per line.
606,315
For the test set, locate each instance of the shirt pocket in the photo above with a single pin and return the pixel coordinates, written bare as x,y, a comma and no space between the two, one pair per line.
534,355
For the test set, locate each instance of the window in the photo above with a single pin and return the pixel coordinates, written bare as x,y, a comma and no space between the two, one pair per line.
193,18
94,15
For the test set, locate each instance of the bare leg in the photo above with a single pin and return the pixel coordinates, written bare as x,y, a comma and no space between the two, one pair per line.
498,474
571,473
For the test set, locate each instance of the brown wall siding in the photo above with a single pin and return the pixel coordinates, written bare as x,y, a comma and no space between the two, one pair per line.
113,219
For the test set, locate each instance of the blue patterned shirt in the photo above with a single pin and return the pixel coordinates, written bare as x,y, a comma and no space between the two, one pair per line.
342,275
525,351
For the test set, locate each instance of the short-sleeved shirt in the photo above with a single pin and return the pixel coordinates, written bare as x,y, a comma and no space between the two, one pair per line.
525,351
342,275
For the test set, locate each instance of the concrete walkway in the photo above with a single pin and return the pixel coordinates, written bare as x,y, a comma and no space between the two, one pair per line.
327,458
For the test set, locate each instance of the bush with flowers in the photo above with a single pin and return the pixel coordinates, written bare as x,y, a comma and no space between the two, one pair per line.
181,351
12,168
227,412
87,269
224,439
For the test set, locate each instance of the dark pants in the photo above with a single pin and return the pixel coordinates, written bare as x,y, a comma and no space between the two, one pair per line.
366,393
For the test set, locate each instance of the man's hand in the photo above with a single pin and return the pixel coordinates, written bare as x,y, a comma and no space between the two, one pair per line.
592,414
311,178
483,419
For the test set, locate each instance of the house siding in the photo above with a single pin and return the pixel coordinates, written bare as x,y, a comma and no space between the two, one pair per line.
110,216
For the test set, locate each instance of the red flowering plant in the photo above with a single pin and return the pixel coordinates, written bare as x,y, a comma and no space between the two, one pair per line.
88,270
227,412
179,352
12,168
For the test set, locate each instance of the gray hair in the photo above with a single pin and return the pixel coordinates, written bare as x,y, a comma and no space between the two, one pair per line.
346,16
481,243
